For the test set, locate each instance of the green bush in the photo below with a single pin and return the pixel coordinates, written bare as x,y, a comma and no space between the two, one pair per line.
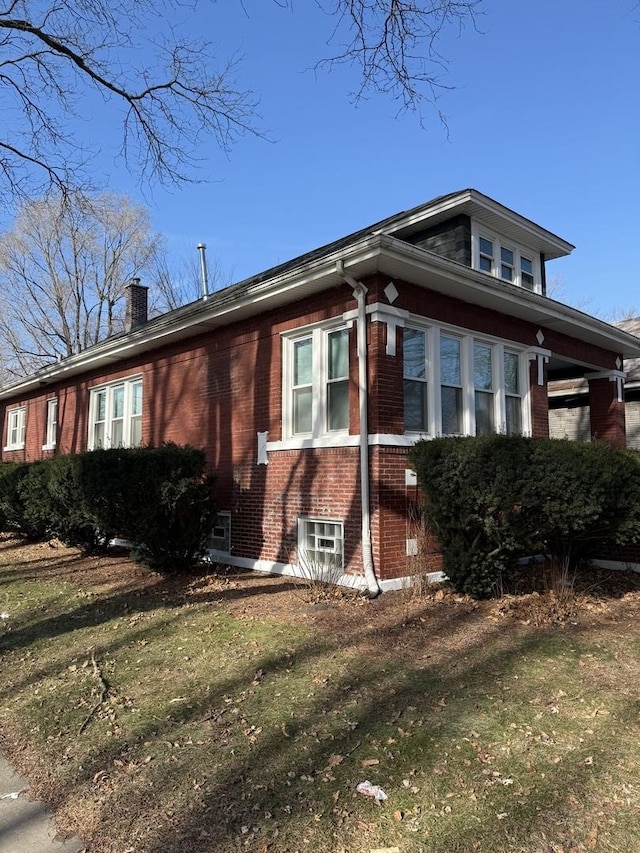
474,489
73,520
493,499
24,500
159,498
583,497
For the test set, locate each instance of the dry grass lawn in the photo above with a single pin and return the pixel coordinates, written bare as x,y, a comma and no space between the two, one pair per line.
230,711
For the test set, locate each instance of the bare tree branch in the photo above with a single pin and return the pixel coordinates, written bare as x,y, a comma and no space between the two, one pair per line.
55,53
395,44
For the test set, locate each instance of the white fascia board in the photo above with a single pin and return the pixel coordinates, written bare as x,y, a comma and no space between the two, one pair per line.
379,252
477,205
489,291
298,282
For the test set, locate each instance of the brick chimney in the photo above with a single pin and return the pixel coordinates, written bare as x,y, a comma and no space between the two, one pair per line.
136,309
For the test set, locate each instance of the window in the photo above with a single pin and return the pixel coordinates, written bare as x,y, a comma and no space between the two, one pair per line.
486,254
415,380
320,543
115,415
455,384
220,536
513,399
526,273
316,382
451,386
52,425
16,422
506,261
483,389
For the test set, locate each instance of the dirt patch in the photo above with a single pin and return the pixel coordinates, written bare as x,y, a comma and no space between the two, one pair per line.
593,595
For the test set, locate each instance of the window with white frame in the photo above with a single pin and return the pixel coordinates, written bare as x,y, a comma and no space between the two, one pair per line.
469,386
16,424
483,389
414,369
451,386
505,260
115,414
51,435
513,395
316,382
220,537
320,543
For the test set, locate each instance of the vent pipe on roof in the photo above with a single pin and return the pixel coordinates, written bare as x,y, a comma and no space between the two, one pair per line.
202,248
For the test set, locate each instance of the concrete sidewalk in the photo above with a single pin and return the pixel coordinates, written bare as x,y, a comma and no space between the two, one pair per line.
26,826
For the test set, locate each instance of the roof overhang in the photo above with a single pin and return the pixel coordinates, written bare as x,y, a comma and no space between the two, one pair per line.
493,215
373,254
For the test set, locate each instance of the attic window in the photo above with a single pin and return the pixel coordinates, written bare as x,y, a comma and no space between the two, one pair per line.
506,260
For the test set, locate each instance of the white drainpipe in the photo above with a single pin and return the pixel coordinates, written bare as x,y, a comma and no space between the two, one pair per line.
360,292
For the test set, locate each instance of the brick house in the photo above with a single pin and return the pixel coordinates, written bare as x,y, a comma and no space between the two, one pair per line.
307,384
569,409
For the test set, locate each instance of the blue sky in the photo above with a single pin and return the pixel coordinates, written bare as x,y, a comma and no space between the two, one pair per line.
544,117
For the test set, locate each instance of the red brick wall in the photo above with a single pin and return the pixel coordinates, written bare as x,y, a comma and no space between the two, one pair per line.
217,390
539,402
607,414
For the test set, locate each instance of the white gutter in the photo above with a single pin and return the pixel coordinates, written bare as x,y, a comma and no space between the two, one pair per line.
360,292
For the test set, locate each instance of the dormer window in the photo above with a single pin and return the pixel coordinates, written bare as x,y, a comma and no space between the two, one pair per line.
505,260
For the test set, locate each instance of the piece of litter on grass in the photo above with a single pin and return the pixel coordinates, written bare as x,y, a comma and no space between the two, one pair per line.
4,615
12,796
370,790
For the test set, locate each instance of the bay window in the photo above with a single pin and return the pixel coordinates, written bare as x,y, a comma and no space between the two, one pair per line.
457,384
415,380
451,386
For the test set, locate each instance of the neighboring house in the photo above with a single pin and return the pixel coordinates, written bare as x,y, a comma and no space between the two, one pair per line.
569,409
307,384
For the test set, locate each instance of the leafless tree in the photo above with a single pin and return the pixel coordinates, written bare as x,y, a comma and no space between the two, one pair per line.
395,44
63,269
170,92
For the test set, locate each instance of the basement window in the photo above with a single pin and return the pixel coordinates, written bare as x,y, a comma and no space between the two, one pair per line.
220,537
320,544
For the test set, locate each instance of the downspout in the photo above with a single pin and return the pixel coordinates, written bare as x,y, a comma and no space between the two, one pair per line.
360,292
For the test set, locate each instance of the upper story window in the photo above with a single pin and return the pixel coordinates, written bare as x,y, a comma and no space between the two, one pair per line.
51,435
455,384
16,425
316,382
115,414
505,260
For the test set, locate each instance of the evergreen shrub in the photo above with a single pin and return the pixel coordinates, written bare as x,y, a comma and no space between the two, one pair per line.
493,499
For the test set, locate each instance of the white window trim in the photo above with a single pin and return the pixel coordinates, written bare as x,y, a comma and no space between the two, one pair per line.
467,341
319,333
478,231
19,414
307,519
51,437
128,382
